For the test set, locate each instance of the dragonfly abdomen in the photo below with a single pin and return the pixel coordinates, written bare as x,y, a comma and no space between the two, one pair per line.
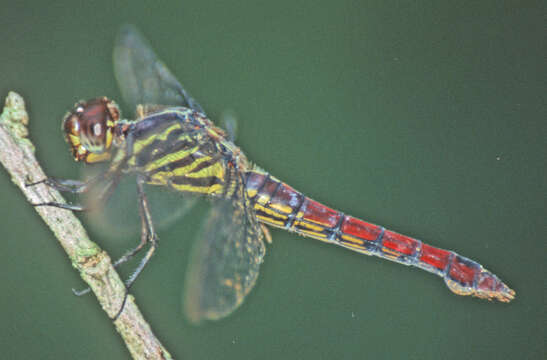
279,205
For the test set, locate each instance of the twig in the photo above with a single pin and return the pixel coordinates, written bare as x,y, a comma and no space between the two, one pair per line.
94,265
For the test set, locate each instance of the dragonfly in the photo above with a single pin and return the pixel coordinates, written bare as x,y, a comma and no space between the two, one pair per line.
172,144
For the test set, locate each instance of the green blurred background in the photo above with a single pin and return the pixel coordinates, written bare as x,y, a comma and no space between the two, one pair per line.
426,117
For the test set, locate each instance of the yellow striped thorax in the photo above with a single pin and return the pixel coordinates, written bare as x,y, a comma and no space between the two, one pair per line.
181,149
168,146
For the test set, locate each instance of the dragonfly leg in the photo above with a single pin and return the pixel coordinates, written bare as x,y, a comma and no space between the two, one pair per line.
148,235
267,234
69,185
77,187
81,292
72,207
73,186
129,255
145,227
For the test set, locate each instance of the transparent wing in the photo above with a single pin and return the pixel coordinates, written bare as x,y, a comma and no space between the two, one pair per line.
118,218
142,77
228,122
225,261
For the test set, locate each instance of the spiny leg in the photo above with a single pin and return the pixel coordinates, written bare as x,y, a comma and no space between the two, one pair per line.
266,232
65,185
145,227
68,185
127,256
73,186
148,235
78,187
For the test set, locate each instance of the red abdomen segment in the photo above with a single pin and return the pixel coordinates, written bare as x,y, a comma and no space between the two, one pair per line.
279,205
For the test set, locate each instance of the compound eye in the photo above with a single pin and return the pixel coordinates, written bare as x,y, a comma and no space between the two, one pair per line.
89,126
72,125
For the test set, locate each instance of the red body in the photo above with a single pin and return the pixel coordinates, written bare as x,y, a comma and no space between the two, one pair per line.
279,205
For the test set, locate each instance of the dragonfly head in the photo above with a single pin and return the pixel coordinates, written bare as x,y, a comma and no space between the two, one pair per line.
89,129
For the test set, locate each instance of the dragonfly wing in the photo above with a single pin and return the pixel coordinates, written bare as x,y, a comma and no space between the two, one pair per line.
142,77
228,121
225,261
117,216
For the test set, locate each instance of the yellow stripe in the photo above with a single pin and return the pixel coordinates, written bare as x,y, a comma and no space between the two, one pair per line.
315,235
159,178
93,158
281,207
183,171
270,221
309,226
215,169
213,189
171,157
142,143
270,212
180,172
356,248
251,193
352,239
389,252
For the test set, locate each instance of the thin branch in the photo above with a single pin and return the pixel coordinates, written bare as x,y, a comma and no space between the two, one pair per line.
93,264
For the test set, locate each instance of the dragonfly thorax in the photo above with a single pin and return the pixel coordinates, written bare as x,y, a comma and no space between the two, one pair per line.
89,128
